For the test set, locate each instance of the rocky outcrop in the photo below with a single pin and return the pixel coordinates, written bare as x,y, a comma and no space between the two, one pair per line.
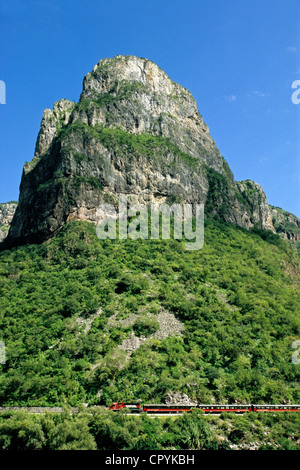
169,325
135,132
178,398
258,207
286,224
7,211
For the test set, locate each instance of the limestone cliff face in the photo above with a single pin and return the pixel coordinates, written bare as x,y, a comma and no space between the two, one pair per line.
136,132
7,211
286,224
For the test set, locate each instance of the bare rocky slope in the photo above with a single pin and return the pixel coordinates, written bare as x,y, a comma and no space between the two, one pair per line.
7,211
135,132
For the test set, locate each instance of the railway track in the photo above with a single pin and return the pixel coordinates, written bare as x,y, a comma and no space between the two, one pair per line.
34,409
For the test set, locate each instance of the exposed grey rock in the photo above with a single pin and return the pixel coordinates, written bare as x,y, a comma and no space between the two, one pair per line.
286,224
7,211
131,344
86,323
178,398
168,326
257,203
52,122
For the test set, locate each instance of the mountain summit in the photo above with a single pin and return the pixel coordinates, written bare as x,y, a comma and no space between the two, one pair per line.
136,132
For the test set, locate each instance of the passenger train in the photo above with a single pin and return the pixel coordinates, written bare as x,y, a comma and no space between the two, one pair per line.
180,408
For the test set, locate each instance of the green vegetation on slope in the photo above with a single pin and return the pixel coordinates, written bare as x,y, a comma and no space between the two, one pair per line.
238,299
134,144
104,430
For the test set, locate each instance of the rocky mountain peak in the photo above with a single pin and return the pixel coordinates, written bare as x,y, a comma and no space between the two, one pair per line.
136,132
53,120
147,101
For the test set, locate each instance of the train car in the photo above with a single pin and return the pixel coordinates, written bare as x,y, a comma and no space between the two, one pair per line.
233,408
159,408
275,408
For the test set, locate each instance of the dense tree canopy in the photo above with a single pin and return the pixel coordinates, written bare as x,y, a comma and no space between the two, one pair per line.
237,299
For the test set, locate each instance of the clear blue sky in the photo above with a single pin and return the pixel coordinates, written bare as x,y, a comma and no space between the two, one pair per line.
237,57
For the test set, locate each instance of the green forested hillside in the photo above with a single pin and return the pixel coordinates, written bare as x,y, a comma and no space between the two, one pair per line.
67,305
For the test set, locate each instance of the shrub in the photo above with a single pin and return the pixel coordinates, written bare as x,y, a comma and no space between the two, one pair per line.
145,326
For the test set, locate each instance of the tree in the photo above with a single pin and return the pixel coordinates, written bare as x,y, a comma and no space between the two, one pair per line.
195,433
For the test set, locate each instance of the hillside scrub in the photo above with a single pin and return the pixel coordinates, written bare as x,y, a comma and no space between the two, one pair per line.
100,429
238,299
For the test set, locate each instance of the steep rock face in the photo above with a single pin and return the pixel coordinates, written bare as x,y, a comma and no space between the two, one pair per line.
7,211
135,132
286,224
256,201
